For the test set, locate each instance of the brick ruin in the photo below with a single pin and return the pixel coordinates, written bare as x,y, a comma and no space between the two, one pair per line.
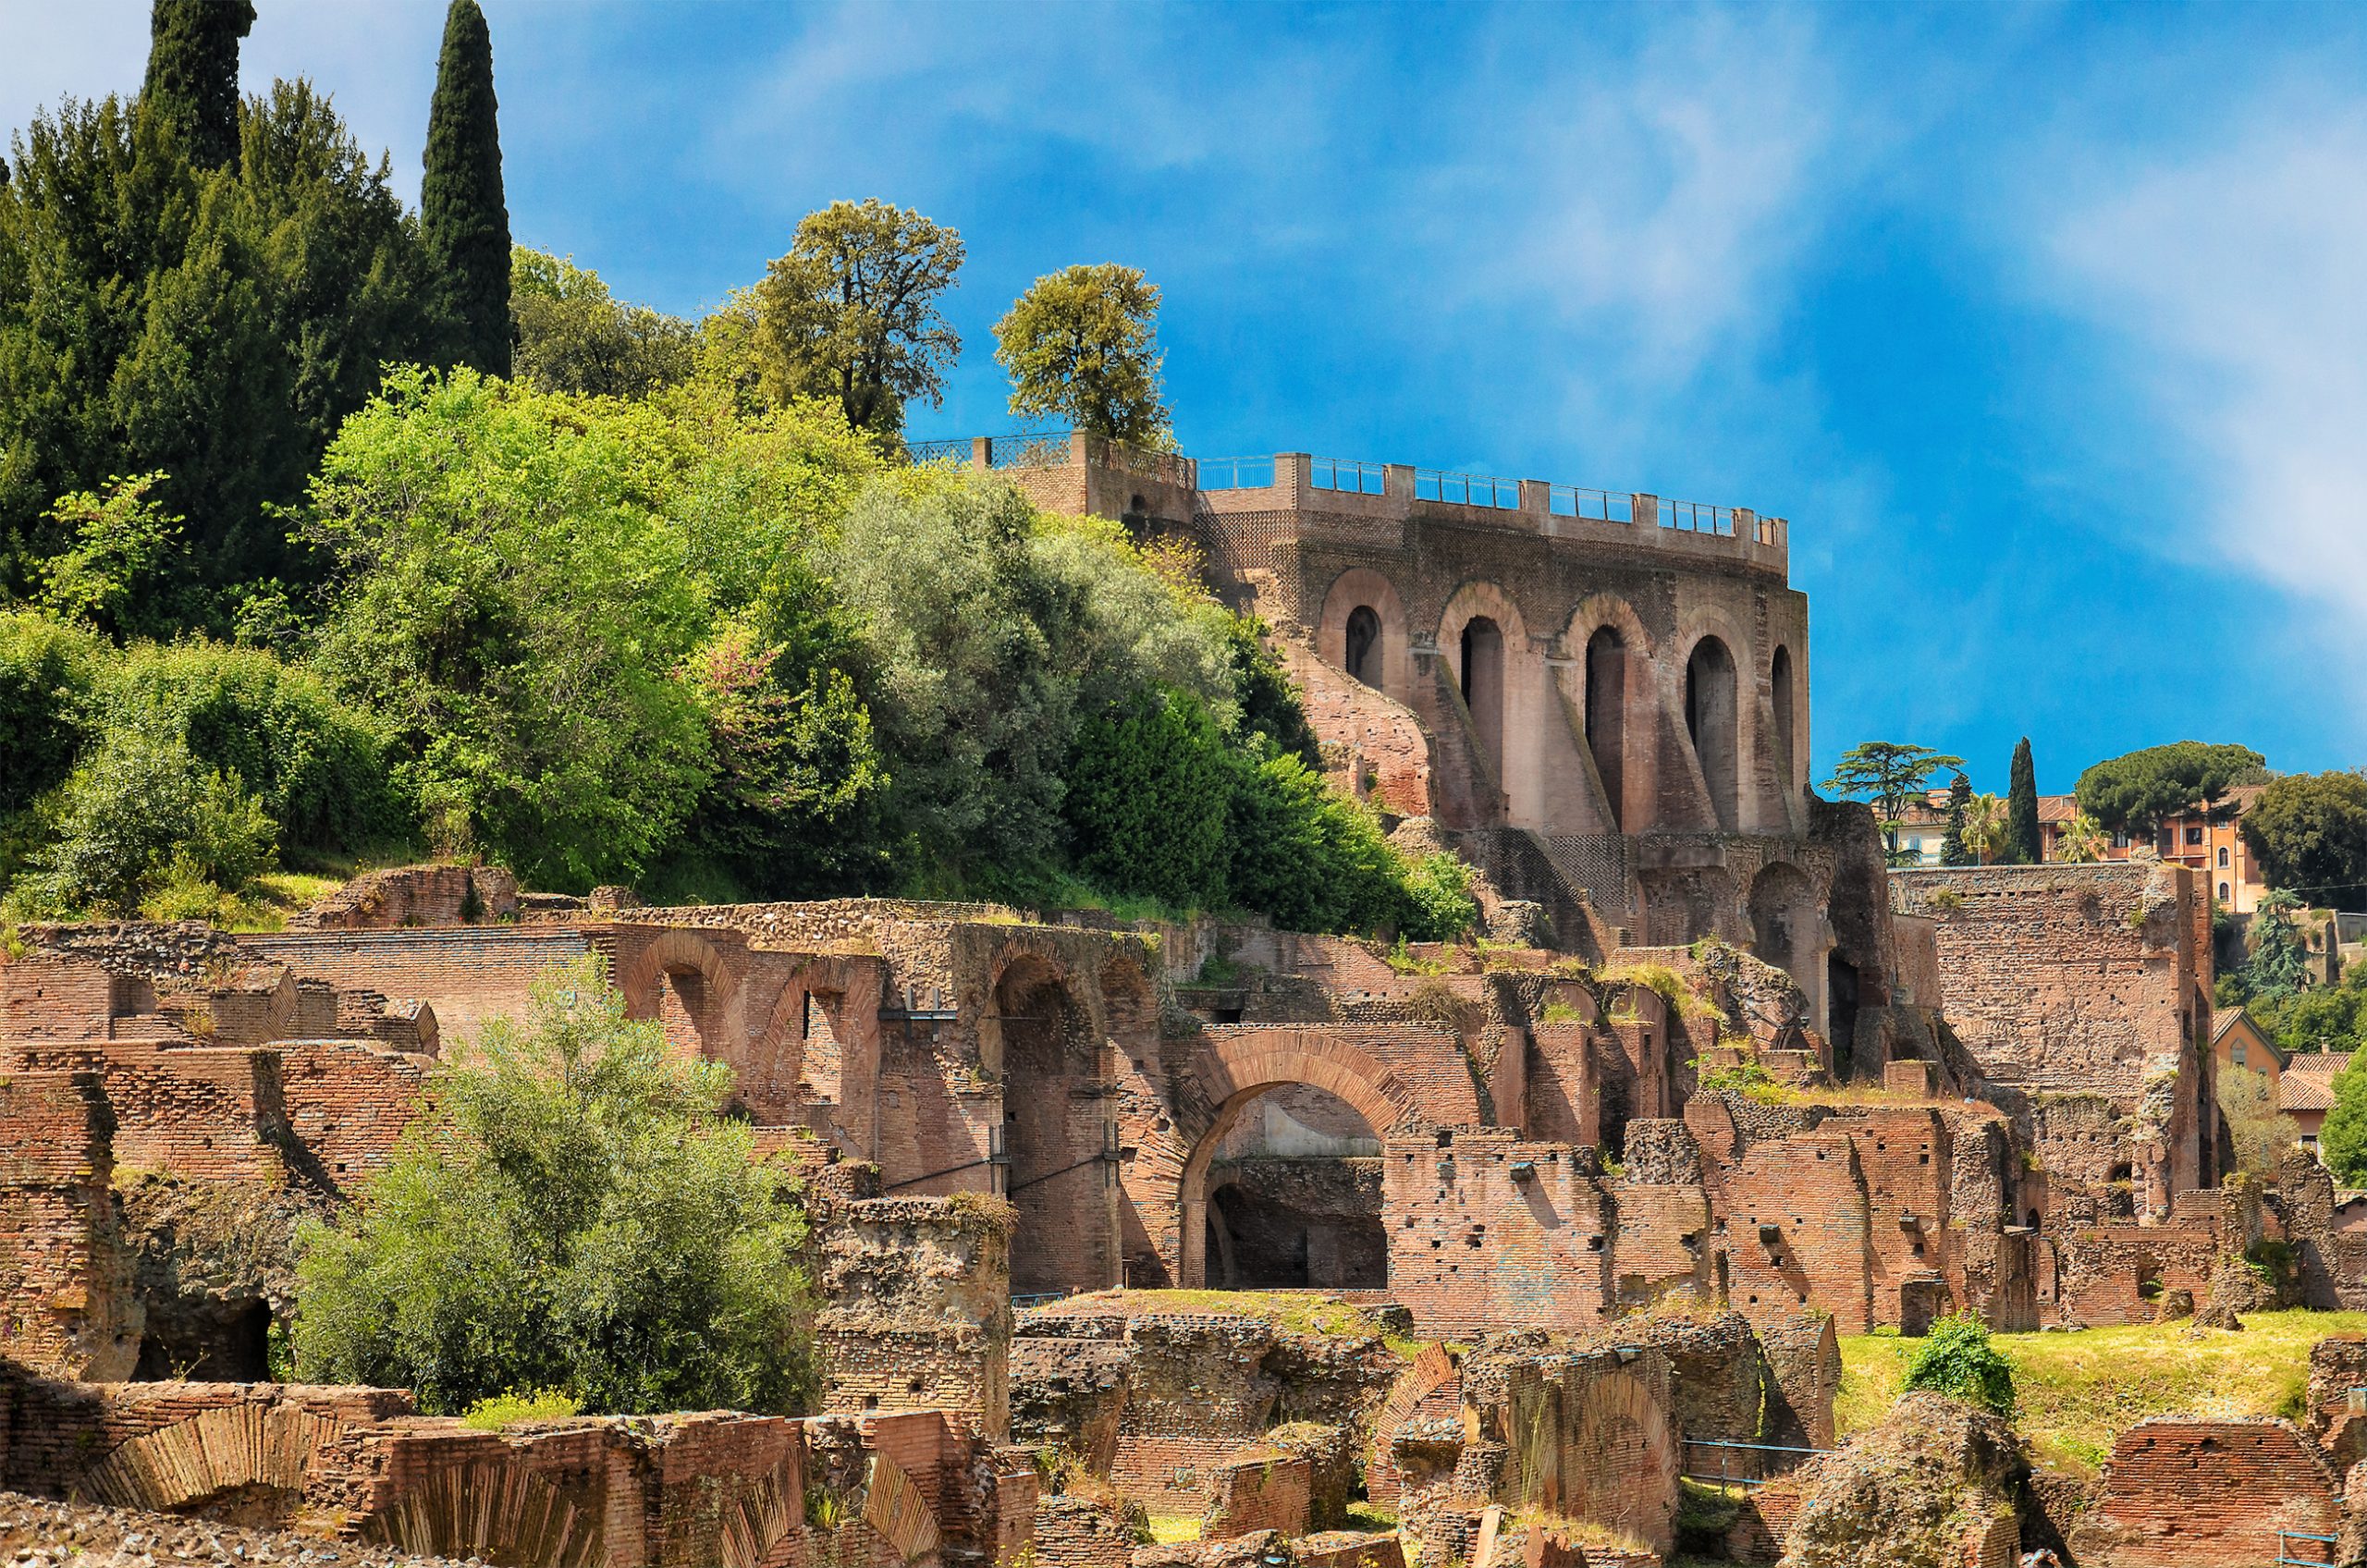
1736,1090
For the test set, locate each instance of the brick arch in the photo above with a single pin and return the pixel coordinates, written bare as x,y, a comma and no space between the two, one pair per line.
776,1080
1503,695
702,981
1039,1034
1754,764
1360,585
495,1511
234,1447
1233,1069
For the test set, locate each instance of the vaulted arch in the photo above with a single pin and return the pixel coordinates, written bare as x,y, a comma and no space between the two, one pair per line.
1361,630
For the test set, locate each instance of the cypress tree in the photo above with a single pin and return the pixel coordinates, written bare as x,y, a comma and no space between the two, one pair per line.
1951,849
2021,810
193,83
462,220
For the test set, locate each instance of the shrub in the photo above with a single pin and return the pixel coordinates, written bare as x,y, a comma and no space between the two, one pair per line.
1147,800
573,1213
317,766
1957,1358
1438,890
46,671
138,816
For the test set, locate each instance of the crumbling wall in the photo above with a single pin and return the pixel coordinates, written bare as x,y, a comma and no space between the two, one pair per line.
65,1298
1488,1231
2181,1493
415,895
1588,1435
917,1311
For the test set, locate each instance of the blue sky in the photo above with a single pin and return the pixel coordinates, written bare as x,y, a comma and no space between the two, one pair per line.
2043,324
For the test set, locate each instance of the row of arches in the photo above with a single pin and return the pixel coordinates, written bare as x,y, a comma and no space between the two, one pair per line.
1617,690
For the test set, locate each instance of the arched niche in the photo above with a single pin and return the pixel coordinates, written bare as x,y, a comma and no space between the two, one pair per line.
1052,1065
1608,682
1782,697
1713,723
1364,597
1787,929
1487,651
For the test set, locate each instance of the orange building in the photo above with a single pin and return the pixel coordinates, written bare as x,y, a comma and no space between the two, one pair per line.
2210,839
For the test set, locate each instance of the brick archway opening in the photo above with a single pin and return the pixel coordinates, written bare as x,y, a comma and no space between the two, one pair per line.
1053,1133
1294,1196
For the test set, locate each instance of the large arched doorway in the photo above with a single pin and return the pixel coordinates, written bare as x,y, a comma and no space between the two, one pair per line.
1055,1131
1483,688
1710,719
1779,679
1295,1197
680,980
1607,716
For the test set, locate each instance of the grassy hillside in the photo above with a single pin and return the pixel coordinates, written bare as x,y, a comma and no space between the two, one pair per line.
2078,1390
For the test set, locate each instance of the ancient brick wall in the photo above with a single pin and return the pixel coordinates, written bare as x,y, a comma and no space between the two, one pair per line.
467,974
1258,1488
916,1312
1797,1230
66,1293
1081,1532
1803,1354
2180,1493
1589,1435
1488,1232
198,1110
348,1101
2068,977
2116,1274
415,895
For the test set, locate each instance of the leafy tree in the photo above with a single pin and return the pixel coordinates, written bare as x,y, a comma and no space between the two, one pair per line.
2318,1018
139,815
2083,840
1985,829
511,614
2342,1141
2137,791
1082,344
1147,796
1957,1358
1952,847
2309,832
851,313
105,577
573,336
463,220
191,89
574,1212
1887,773
1271,703
2025,845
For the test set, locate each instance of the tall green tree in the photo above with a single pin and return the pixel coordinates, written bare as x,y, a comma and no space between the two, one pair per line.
2137,790
2309,831
462,216
2342,1141
851,313
2024,844
1952,849
1082,344
191,88
573,335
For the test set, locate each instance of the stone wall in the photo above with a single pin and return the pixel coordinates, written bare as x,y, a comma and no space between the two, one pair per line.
1486,1232
916,1312
415,895
1258,1488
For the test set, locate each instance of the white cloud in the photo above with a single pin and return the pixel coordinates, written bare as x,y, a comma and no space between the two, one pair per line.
2231,279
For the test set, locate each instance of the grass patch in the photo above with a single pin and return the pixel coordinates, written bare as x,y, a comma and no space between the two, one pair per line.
1171,1529
508,1410
2078,1392
1371,1517
1301,1313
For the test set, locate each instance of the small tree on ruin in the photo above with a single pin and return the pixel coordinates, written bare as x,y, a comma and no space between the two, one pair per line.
1888,774
574,1213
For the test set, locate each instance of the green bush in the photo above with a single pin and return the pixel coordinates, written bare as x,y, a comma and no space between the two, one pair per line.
318,767
1147,801
1957,1358
139,816
1440,905
503,1410
47,669
576,1213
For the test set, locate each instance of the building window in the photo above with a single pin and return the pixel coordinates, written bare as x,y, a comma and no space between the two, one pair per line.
2238,1050
2194,835
2120,838
2223,857
2223,892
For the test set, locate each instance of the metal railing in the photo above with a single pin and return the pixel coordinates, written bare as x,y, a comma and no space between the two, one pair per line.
1745,1465
919,452
1346,473
1467,489
2299,1540
1693,517
1047,449
1591,506
1236,473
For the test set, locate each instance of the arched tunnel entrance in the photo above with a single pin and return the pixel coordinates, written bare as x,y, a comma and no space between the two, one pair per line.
1055,1134
1295,1197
